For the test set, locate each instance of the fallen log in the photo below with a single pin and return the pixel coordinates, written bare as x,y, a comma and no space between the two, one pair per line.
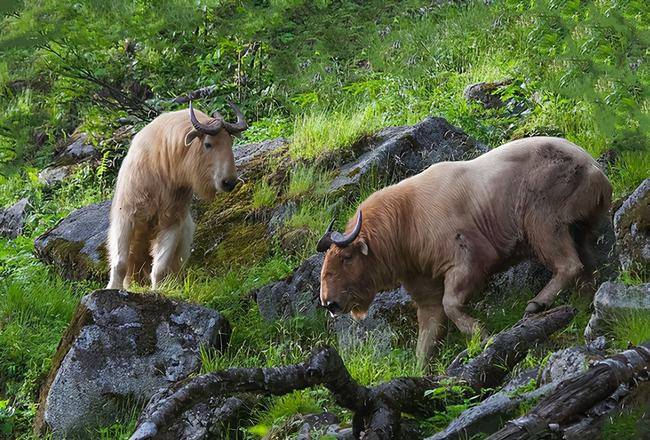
377,410
575,396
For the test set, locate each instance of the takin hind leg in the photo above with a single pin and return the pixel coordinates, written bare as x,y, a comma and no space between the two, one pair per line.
184,246
139,267
163,252
119,239
557,251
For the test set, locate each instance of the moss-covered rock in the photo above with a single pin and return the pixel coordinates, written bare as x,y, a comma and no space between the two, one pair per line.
120,348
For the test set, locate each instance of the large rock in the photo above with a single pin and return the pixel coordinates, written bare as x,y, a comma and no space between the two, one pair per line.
51,176
569,361
391,319
632,226
78,150
122,347
76,246
400,152
297,295
12,219
613,299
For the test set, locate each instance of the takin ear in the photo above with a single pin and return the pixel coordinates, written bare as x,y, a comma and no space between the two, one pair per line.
189,137
363,247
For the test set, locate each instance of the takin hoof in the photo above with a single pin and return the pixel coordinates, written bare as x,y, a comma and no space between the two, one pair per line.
534,307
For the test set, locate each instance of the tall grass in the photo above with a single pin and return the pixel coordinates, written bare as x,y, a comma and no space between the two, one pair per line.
322,131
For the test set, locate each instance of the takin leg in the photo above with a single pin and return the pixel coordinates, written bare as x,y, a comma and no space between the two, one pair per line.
461,282
119,240
163,252
427,294
139,266
184,244
557,251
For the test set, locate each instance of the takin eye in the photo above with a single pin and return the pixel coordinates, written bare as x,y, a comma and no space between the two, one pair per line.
346,258
207,145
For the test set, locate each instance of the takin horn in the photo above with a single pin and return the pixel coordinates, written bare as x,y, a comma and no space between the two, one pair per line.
211,129
341,240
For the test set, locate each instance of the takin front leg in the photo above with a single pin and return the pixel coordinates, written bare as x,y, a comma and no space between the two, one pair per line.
163,252
119,240
427,294
558,254
461,282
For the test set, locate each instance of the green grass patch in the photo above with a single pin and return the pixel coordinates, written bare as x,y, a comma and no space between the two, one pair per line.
322,131
307,180
264,195
632,327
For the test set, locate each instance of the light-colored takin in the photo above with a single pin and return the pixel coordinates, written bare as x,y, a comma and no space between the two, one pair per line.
177,154
442,232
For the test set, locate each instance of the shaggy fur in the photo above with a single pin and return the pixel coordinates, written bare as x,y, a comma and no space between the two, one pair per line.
442,232
151,227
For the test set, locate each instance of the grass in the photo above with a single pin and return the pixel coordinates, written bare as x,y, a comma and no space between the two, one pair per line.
307,180
631,327
320,132
264,195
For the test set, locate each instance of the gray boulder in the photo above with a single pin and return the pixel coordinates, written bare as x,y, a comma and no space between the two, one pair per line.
486,93
119,349
297,295
613,299
404,151
76,245
12,219
391,318
567,362
310,426
78,150
632,226
51,176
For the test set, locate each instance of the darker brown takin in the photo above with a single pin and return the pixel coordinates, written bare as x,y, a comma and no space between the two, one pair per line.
443,232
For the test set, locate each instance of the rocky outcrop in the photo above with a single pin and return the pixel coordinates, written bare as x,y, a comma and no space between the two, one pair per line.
76,246
632,226
486,93
613,299
297,295
122,347
12,219
76,151
391,320
567,362
51,176
400,152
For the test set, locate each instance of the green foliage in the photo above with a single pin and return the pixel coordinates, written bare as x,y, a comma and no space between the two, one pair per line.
264,195
320,132
307,180
632,327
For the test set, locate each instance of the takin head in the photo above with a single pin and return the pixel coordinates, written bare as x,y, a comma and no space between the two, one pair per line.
214,167
347,284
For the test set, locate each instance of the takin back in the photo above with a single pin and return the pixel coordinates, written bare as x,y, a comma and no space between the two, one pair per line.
443,232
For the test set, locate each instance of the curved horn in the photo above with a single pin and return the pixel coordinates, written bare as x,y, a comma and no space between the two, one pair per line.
343,240
210,129
240,125
326,240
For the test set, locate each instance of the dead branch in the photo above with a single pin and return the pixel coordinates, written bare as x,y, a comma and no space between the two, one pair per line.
575,396
377,410
203,92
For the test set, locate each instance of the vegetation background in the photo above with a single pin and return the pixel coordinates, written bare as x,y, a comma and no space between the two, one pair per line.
323,73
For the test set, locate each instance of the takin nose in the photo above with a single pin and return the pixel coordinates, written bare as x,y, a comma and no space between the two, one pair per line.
229,184
333,307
